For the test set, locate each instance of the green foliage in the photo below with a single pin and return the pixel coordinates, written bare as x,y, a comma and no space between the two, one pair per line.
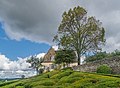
7,83
104,69
68,68
62,74
47,83
20,87
115,53
35,63
65,56
102,55
83,83
79,32
66,79
97,56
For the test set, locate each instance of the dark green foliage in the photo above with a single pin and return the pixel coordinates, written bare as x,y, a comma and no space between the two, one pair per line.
20,87
65,56
115,53
102,55
67,68
44,82
35,63
104,69
22,76
7,83
97,56
41,70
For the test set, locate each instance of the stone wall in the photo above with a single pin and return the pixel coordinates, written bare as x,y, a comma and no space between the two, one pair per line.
114,63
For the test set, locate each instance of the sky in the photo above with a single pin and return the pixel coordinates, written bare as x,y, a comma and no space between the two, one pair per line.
23,48
27,27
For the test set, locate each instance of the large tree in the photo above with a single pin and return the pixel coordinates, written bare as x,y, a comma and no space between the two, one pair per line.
79,32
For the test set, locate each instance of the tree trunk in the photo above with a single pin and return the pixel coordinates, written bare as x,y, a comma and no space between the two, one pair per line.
37,71
79,60
63,65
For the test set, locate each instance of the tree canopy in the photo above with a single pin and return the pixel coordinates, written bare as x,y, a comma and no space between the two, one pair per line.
97,56
35,63
102,55
79,32
65,56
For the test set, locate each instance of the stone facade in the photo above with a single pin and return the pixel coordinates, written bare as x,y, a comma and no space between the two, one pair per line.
49,59
114,63
50,55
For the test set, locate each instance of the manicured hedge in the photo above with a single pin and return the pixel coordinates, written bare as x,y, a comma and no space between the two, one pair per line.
104,69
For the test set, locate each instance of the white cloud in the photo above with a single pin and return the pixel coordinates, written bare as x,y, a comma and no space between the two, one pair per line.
14,69
40,55
20,64
55,47
4,62
38,20
7,64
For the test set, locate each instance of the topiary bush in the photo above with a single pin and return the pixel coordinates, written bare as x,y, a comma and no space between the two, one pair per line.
62,74
68,68
47,82
104,69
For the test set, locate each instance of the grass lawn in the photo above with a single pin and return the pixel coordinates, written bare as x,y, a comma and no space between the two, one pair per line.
66,79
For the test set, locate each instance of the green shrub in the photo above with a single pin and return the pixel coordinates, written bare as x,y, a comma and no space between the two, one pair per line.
44,82
62,74
66,79
47,83
69,80
7,83
52,73
104,69
27,85
20,87
83,83
77,74
67,68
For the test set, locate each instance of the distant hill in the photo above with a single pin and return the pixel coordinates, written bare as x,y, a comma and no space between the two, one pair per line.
66,79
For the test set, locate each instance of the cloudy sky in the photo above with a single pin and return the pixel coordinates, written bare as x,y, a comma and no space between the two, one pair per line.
16,68
27,27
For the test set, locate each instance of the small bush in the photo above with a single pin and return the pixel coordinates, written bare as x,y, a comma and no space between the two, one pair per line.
70,80
47,83
83,83
27,85
20,87
52,73
104,69
62,74
67,68
77,74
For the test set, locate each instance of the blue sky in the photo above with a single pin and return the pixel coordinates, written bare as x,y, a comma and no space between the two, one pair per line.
24,48
29,26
